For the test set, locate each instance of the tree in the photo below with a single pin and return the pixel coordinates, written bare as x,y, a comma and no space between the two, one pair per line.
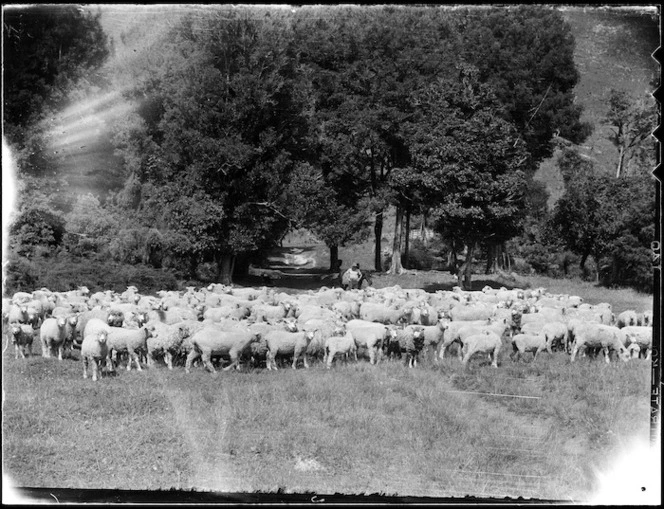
223,136
631,123
526,53
469,162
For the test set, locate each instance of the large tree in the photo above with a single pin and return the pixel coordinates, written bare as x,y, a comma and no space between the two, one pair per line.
222,135
470,162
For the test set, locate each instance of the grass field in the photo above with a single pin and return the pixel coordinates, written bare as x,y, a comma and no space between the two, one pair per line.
544,430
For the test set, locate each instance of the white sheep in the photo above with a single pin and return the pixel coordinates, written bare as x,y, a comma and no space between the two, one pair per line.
380,313
165,340
627,318
322,328
235,311
93,351
340,345
17,314
556,334
269,313
645,318
211,341
370,335
451,334
485,342
53,334
639,338
288,343
607,337
535,343
471,312
22,336
128,340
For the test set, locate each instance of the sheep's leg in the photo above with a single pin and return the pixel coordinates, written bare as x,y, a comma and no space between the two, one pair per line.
16,349
46,351
607,354
136,360
295,360
85,366
94,370
235,361
207,361
306,361
330,358
193,354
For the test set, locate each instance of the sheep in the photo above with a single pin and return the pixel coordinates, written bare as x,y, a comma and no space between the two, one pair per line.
116,316
627,319
286,343
471,312
165,339
645,319
347,310
639,339
340,344
236,312
267,312
53,333
380,313
433,337
451,334
370,335
486,342
22,336
535,343
500,328
599,335
93,351
258,350
322,329
212,341
556,334
17,314
130,341
314,312
409,341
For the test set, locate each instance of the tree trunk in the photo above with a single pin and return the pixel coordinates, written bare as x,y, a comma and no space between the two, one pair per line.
226,273
621,159
582,264
378,232
334,258
465,271
423,230
407,236
490,258
396,267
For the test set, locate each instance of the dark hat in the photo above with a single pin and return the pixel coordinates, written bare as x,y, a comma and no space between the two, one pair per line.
356,265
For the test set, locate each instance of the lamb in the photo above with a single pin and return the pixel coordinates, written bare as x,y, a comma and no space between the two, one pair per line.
22,336
486,342
286,343
500,328
53,334
211,341
380,313
409,341
93,351
599,335
535,343
322,329
257,352
130,341
627,318
340,344
370,335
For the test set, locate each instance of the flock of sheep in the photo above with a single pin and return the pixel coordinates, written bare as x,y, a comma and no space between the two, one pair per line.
259,326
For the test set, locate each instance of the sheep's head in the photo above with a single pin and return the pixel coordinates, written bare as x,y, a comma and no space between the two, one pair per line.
291,325
15,332
61,321
309,335
102,336
72,320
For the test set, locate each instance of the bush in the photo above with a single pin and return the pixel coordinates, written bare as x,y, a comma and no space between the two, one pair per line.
420,257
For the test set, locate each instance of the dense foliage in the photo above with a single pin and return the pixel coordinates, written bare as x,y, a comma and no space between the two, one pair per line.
248,122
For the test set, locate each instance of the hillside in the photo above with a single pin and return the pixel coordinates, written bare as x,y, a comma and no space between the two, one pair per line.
613,49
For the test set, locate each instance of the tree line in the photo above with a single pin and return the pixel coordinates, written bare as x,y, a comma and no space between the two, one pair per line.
250,122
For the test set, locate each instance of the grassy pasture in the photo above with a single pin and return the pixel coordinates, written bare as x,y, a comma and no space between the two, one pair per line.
540,429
